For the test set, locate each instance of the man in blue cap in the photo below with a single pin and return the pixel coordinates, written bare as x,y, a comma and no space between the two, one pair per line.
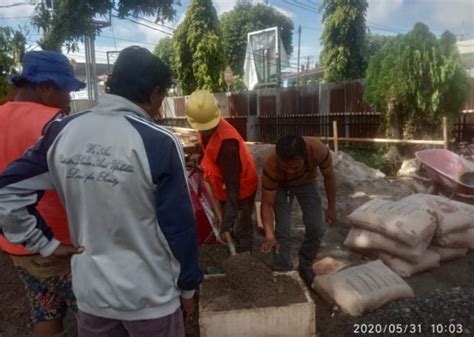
42,95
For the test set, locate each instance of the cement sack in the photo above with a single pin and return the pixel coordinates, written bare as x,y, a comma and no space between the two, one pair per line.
362,288
407,223
447,254
453,216
404,268
328,265
462,239
366,241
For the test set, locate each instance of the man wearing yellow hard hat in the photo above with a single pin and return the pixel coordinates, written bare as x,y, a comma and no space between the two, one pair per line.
228,166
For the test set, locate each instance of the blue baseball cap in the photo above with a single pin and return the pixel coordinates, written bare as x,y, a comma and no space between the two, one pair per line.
43,66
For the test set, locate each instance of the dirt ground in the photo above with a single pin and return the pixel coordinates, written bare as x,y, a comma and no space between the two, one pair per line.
355,185
14,314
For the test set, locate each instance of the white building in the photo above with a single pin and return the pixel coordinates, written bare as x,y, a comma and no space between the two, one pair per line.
466,51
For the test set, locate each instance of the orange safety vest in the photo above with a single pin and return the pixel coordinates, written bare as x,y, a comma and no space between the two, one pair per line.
212,173
21,125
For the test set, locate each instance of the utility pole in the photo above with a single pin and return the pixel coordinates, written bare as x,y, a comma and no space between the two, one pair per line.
299,49
91,72
89,46
278,58
308,60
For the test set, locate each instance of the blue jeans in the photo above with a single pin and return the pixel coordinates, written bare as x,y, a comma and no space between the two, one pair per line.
310,202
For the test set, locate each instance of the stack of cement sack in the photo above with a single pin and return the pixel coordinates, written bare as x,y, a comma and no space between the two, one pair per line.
413,234
454,234
397,232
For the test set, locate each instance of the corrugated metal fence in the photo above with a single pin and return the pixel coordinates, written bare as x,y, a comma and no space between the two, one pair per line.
266,114
463,129
350,124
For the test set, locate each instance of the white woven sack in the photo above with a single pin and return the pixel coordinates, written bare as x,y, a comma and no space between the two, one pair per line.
404,268
371,242
447,254
462,239
407,223
362,288
453,216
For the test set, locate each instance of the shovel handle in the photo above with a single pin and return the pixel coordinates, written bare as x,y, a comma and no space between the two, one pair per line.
230,243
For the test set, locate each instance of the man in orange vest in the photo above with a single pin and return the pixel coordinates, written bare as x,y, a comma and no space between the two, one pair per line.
42,95
228,167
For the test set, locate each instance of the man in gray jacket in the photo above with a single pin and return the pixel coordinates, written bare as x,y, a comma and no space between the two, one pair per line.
122,181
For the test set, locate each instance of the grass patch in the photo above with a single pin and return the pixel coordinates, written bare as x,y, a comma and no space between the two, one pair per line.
371,158
375,158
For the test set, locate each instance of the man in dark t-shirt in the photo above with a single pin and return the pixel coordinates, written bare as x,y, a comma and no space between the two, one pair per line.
289,172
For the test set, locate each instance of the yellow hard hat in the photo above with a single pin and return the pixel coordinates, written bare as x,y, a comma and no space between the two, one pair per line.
202,110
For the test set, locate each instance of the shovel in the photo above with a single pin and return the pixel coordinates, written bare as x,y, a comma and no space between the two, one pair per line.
226,237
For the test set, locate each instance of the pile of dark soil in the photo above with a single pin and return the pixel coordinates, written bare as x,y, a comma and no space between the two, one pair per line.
249,283
212,256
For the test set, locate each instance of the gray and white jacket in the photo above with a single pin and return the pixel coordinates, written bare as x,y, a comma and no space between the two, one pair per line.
123,184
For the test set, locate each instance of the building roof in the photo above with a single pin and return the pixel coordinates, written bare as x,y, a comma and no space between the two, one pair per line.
80,69
314,71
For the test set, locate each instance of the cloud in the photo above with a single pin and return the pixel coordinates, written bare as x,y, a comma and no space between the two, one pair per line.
454,15
223,6
140,34
285,12
26,9
379,10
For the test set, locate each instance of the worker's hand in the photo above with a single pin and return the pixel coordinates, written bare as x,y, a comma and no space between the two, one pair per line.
67,250
195,159
189,307
217,222
269,245
330,215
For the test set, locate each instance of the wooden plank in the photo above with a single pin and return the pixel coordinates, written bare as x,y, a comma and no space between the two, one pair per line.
445,133
295,320
384,140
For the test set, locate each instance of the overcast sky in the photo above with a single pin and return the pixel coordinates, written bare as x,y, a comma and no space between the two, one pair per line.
387,17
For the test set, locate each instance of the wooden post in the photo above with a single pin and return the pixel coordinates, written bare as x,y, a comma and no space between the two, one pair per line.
334,133
445,132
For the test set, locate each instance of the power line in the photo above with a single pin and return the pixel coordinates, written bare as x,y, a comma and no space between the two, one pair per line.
374,25
145,25
112,38
16,5
312,28
315,3
298,4
113,34
158,24
126,40
14,17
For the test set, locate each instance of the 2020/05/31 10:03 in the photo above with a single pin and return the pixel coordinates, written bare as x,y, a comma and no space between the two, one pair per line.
399,328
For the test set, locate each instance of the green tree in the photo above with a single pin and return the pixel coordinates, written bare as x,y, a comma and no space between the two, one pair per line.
200,59
415,80
375,42
67,21
166,52
12,48
344,39
245,18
